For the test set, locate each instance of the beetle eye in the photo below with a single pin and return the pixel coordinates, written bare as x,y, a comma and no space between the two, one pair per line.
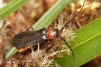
57,33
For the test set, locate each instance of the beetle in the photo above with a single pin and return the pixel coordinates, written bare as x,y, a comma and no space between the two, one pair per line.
29,38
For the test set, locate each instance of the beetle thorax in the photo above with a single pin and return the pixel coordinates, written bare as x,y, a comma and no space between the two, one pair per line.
51,33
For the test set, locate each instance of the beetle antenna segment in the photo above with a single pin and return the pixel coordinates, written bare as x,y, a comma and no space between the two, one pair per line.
73,17
70,49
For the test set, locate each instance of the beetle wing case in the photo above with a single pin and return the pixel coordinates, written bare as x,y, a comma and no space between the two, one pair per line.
29,38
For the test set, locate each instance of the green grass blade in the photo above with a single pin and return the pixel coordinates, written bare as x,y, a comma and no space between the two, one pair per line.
87,45
11,53
47,18
51,14
11,7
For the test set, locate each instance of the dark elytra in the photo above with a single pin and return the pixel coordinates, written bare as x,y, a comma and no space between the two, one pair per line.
28,38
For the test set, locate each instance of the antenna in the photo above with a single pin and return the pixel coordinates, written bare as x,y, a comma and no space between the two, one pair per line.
70,49
73,17
65,40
